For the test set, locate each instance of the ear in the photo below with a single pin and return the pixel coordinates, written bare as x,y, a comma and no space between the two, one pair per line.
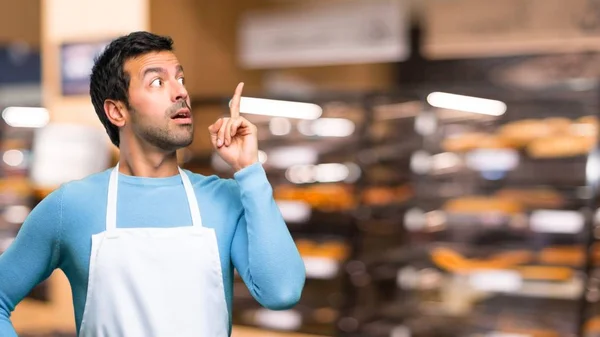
115,111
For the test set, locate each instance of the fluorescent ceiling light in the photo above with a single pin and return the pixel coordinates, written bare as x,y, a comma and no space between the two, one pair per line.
280,126
16,213
286,320
329,173
321,173
13,158
327,127
556,221
284,157
25,117
294,211
322,268
466,103
496,280
494,160
278,108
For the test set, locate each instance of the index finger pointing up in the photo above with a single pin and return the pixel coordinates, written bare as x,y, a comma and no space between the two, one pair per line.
235,101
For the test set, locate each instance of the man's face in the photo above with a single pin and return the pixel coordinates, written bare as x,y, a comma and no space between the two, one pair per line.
158,101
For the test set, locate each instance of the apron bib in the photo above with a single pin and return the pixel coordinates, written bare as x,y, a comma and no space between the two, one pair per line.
155,282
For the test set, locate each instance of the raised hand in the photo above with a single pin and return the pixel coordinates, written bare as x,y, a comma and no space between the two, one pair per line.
235,138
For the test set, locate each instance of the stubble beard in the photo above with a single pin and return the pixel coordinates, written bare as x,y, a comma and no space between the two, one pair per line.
166,137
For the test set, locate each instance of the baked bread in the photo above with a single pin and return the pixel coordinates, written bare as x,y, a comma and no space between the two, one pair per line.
560,146
481,204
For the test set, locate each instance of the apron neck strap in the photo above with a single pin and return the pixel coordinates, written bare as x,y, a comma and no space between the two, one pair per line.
191,198
111,206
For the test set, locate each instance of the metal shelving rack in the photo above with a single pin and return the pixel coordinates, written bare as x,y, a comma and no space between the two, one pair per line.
380,318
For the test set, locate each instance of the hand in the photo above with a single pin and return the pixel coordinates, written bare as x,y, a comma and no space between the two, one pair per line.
235,138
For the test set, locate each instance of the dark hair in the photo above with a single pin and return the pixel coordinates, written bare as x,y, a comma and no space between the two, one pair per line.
108,79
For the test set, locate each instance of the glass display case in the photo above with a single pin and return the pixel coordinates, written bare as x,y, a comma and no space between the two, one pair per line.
494,239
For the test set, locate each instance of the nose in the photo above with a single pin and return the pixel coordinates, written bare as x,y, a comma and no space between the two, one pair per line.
179,92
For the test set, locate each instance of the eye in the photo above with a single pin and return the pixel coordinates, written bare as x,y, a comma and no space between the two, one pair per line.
181,80
156,83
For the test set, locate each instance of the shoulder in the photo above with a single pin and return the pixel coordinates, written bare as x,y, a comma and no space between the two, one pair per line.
69,196
246,179
83,190
250,182
213,184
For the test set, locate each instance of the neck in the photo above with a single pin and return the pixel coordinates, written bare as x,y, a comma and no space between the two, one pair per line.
136,159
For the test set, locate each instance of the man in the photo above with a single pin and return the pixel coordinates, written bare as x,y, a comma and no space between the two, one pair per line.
148,248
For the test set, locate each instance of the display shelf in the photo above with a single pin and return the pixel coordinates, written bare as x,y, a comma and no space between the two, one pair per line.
491,196
536,228
461,305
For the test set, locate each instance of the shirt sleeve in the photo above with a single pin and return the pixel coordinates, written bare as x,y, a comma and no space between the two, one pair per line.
31,258
263,250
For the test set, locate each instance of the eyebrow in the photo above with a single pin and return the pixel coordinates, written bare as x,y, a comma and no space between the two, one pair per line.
160,70
153,70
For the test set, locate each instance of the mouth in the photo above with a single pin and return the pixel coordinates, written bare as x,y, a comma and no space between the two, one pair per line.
182,116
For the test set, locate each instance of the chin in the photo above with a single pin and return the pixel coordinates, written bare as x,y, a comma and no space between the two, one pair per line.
185,142
174,144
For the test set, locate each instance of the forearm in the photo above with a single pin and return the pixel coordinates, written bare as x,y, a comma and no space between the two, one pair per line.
274,271
6,328
30,259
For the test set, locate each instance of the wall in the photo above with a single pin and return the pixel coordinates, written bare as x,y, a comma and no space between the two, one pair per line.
205,36
20,22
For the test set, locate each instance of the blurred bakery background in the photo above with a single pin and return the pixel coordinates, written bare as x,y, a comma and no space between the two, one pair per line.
449,187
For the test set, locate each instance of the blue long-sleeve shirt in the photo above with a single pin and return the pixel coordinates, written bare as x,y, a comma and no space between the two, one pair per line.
251,233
